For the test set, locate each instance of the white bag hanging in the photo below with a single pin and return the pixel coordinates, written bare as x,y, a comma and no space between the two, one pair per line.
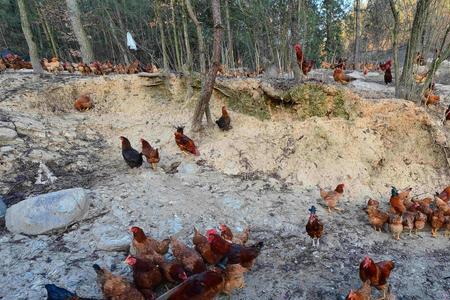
130,42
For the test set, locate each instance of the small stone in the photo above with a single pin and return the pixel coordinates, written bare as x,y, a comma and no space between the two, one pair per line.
232,202
110,238
188,168
7,135
6,149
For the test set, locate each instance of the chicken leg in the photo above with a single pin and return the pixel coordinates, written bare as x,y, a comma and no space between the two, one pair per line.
154,166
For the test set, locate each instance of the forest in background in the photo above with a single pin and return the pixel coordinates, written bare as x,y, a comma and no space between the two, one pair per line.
258,34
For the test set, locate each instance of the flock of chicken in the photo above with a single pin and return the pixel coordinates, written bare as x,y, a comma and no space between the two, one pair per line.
405,213
216,265
134,159
15,62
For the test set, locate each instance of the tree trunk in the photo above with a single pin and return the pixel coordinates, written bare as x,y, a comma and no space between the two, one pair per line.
47,30
26,28
75,18
294,39
407,84
189,89
162,37
357,33
395,46
175,36
207,88
201,43
441,54
230,53
120,43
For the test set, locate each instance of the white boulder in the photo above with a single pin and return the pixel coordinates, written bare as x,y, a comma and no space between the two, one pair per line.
43,213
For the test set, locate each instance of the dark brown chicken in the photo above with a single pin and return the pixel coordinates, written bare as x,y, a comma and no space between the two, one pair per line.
142,244
224,122
388,76
377,273
146,274
236,254
151,154
304,65
185,143
204,248
83,103
386,65
189,258
314,227
173,271
204,286
114,287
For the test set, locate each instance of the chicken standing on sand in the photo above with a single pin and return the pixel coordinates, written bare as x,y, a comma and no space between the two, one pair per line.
224,122
331,198
150,153
130,155
314,227
185,143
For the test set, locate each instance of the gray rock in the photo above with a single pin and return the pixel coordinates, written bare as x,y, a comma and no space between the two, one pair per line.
29,126
7,135
110,238
43,213
232,202
188,168
2,208
6,149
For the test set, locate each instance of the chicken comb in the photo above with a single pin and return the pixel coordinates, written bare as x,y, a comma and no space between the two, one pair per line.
312,210
211,231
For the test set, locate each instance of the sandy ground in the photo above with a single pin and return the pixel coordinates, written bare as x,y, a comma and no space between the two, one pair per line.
262,174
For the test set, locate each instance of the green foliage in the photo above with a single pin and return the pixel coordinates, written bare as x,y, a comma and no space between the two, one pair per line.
256,107
316,100
333,14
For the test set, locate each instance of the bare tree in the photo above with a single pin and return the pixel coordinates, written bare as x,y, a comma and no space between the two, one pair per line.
75,18
201,43
395,46
207,88
357,33
26,28
230,52
293,18
162,36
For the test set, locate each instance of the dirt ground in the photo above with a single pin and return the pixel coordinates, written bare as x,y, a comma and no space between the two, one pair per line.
262,174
